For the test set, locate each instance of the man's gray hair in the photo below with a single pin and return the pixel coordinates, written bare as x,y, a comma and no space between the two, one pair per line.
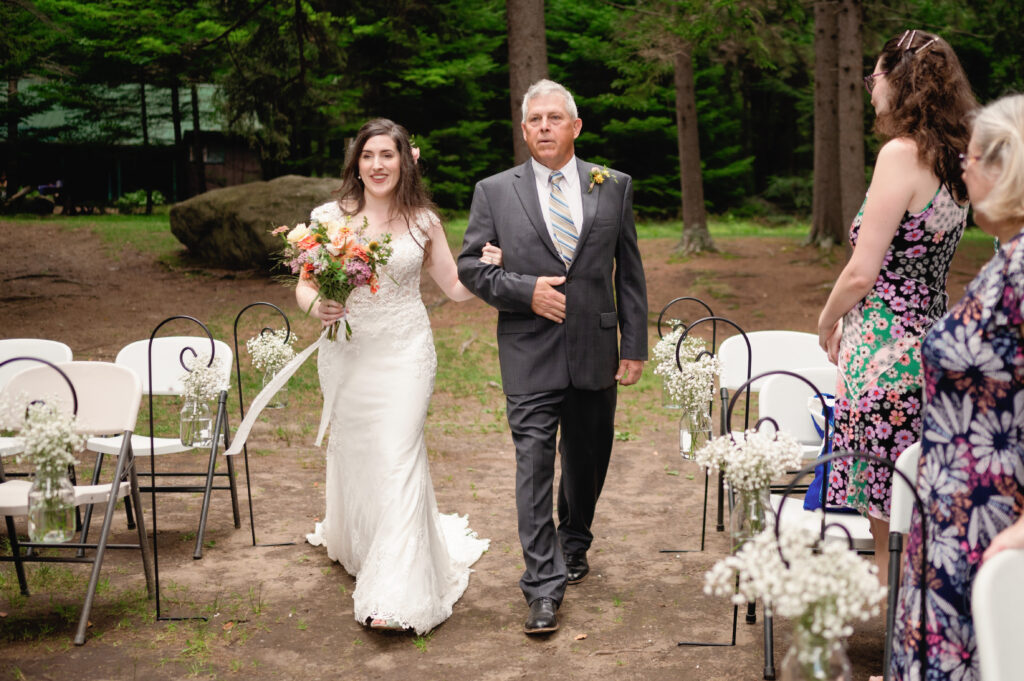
550,87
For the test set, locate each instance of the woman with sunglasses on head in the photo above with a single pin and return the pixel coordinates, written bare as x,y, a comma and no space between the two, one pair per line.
971,476
894,286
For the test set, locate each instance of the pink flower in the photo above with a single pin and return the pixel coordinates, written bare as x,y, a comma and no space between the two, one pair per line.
358,272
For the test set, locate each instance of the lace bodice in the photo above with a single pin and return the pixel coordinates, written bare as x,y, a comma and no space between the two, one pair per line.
396,310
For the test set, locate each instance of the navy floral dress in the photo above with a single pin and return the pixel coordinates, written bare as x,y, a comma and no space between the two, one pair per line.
971,475
878,397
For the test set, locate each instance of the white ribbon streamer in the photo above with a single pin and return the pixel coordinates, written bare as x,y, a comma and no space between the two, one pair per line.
270,389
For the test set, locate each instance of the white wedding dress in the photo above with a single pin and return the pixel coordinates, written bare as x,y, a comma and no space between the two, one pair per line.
382,524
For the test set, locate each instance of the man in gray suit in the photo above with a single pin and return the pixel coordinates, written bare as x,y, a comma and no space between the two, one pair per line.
569,250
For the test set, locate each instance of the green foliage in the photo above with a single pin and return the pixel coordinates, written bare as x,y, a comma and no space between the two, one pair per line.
135,202
297,79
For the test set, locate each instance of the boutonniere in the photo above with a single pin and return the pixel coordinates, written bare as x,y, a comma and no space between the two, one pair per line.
598,176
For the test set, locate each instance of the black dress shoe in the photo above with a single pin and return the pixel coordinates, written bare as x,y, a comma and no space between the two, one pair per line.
576,567
542,619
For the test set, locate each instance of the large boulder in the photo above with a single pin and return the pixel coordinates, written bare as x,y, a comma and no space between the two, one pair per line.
230,227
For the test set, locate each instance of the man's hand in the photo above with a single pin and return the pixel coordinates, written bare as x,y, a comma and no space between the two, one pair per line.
629,371
548,302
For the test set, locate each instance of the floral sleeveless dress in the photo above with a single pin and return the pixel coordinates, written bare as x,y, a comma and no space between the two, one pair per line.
971,475
878,396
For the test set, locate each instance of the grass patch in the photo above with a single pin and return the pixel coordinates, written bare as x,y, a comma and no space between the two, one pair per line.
145,233
720,227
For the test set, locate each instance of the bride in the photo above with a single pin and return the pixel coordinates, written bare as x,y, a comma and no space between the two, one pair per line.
382,524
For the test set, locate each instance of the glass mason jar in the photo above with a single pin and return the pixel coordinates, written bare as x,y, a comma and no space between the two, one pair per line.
278,400
51,506
748,515
694,432
196,423
812,657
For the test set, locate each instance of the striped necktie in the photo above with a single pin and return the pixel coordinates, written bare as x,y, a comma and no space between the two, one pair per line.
561,219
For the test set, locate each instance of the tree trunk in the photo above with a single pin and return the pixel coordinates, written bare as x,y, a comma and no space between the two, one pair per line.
197,143
179,152
300,144
826,218
851,110
12,169
527,61
695,236
145,147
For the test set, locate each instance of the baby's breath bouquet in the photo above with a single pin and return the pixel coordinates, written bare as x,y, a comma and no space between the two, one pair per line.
825,587
271,350
691,387
203,381
49,439
749,462
50,442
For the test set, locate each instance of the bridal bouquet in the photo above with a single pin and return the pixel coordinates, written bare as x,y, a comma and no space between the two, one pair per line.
336,258
692,387
826,585
750,461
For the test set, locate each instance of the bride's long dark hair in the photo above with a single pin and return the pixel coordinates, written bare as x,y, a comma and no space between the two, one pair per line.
410,196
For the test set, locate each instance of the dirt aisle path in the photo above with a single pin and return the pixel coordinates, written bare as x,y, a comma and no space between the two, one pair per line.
285,612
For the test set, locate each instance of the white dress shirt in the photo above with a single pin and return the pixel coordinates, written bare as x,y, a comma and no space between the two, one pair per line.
570,190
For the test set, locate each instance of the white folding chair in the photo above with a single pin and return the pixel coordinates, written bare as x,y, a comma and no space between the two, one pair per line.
786,401
108,398
42,348
901,508
167,372
768,351
997,600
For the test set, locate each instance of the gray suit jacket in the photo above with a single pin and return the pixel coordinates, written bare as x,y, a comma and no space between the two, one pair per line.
536,354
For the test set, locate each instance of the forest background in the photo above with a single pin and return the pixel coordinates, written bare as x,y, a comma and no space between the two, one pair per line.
752,108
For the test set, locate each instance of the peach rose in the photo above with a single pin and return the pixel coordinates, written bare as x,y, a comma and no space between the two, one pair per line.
297,234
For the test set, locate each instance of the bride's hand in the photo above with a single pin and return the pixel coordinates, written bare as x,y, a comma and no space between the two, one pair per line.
491,255
329,311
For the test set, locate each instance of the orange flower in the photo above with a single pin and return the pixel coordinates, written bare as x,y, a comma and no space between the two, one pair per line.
307,243
355,250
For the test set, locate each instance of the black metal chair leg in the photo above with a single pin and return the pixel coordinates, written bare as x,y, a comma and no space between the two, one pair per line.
895,551
128,514
101,547
73,476
136,501
218,427
751,613
19,567
87,520
232,478
769,647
